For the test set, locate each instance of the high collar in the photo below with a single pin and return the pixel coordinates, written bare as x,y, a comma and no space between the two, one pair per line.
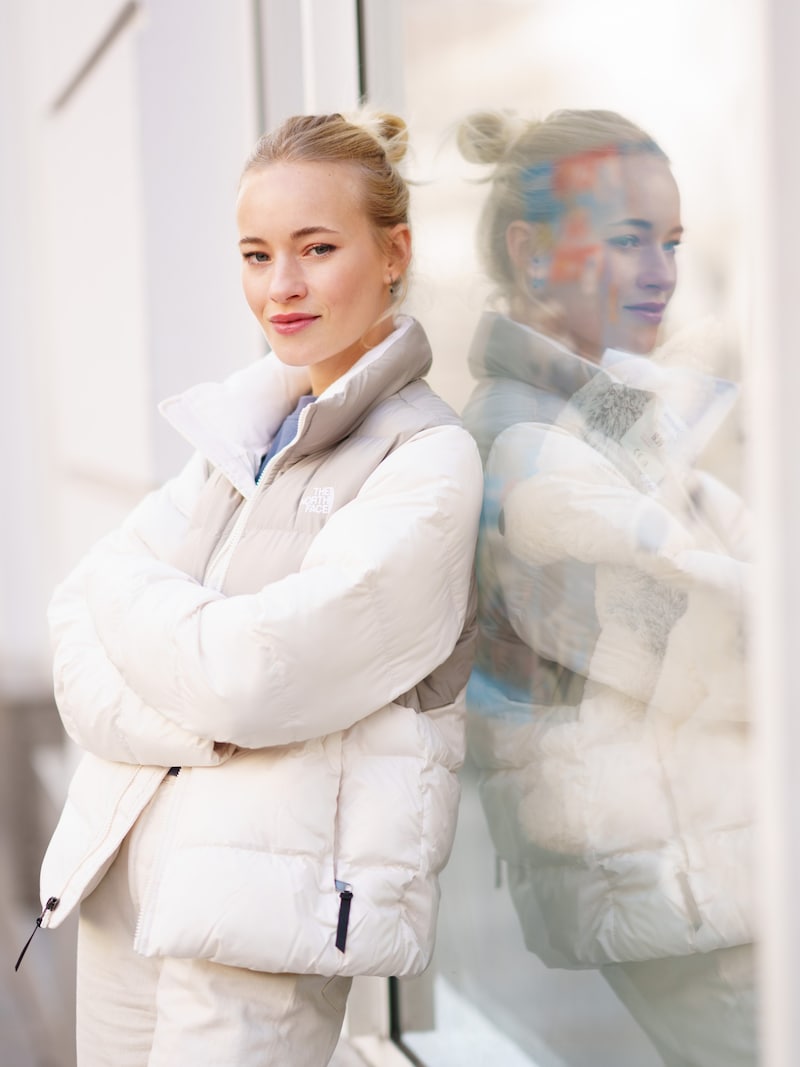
504,349
231,423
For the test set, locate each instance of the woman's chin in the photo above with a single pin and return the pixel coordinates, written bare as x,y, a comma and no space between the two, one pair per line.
635,342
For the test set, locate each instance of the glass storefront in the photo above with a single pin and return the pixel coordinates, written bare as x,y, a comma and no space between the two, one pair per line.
596,908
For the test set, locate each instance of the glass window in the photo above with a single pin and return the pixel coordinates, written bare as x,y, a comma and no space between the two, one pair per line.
597,907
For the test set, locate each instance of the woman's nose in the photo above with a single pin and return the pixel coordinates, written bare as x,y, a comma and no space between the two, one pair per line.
286,281
657,269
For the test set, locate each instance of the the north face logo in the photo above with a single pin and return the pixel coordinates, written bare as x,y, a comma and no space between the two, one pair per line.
319,501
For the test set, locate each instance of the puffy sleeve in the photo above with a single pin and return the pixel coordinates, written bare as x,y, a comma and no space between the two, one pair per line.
664,593
379,601
100,712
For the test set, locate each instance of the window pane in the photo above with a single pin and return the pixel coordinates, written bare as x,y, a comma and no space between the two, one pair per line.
597,908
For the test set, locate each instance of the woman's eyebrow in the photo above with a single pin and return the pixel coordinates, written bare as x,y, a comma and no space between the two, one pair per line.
640,224
643,224
304,231
307,231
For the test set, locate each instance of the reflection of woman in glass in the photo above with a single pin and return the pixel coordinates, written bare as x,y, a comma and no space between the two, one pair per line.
607,705
265,665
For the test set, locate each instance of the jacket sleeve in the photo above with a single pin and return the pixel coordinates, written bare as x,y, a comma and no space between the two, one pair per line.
380,600
666,595
99,710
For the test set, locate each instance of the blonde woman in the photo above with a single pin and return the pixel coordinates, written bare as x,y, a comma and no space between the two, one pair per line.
265,665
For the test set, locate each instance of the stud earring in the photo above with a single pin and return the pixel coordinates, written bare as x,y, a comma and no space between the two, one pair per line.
538,273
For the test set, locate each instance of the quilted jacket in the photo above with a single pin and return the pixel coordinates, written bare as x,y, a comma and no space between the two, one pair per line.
299,648
608,710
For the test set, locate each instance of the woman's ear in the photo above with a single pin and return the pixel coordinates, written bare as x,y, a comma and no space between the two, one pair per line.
398,251
529,252
521,243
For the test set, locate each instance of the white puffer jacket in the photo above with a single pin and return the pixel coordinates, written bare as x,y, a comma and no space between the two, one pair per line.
609,703
300,649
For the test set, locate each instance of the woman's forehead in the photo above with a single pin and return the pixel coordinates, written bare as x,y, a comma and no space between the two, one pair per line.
285,189
602,182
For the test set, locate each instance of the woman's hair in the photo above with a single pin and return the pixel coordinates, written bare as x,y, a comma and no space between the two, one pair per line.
525,154
372,142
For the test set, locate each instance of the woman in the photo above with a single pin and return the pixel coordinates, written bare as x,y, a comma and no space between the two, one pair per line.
608,702
265,664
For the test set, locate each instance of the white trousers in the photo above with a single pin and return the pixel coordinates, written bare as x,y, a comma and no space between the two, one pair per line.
134,1011
699,1011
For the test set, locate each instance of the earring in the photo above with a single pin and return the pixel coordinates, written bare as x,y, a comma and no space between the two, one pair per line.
394,286
538,273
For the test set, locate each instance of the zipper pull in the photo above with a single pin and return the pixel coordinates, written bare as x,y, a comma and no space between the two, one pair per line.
51,905
345,896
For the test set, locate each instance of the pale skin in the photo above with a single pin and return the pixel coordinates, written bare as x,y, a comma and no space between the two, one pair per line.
316,271
621,269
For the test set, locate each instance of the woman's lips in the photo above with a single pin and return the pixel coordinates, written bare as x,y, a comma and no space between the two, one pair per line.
653,313
288,324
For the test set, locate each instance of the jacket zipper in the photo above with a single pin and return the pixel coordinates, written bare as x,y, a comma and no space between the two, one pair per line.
53,902
159,861
51,905
345,896
344,889
218,567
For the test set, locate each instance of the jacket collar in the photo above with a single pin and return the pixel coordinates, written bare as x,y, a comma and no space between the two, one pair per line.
231,423
696,401
502,348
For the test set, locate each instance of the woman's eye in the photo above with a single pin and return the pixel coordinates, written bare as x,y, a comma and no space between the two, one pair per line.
320,250
671,247
256,257
625,240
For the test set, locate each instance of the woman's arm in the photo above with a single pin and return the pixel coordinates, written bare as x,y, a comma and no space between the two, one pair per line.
579,540
379,601
99,711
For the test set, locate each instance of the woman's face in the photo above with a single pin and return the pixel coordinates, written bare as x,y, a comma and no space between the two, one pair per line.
609,271
314,273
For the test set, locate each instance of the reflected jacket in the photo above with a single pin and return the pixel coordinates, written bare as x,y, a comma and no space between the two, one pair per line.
299,648
608,707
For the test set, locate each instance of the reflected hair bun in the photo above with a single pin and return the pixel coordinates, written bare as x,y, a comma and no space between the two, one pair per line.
486,136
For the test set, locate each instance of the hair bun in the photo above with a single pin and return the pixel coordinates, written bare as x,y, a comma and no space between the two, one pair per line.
485,136
389,130
393,136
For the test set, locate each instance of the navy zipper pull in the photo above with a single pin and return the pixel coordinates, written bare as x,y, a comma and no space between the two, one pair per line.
345,896
51,905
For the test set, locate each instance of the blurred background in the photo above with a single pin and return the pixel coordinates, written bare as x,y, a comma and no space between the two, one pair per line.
123,128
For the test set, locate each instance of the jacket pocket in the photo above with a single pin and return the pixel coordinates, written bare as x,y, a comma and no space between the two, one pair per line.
345,891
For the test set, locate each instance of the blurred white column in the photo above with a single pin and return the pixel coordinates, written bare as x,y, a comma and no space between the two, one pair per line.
309,52
330,55
775,373
383,59
23,537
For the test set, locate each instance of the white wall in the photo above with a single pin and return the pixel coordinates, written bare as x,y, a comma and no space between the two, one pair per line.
22,432
775,381
130,123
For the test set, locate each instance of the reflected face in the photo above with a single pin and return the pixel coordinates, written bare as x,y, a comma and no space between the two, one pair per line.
610,271
314,272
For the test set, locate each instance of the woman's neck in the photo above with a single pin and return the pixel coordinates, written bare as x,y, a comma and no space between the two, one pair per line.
547,318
